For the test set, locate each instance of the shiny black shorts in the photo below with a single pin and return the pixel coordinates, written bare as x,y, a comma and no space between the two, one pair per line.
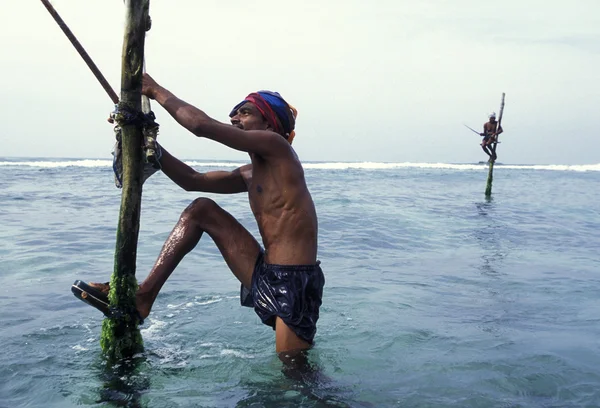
292,292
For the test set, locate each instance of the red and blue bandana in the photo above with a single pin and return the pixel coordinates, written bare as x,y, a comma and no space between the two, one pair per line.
280,115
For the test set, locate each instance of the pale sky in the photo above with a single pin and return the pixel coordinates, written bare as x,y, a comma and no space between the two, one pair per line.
383,80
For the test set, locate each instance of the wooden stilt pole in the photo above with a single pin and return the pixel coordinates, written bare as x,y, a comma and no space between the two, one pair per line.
121,337
490,178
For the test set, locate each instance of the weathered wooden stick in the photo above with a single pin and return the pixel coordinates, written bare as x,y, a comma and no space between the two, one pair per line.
500,115
490,178
121,337
113,96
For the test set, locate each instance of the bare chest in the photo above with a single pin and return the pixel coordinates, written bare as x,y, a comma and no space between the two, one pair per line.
490,127
260,195
263,192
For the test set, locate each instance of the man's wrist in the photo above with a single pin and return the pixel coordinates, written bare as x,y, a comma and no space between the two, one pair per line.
160,94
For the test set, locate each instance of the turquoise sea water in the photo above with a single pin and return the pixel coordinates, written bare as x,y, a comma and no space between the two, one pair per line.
434,296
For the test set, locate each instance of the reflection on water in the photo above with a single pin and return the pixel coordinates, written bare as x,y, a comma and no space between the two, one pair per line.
303,384
485,207
124,385
488,234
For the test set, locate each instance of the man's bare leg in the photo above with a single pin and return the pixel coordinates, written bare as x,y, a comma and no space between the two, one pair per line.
493,150
292,351
237,245
286,340
485,149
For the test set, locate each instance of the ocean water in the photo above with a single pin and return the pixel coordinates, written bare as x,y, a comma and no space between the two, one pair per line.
434,296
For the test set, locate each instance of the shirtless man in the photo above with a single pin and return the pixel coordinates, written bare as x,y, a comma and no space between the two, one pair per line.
490,133
283,283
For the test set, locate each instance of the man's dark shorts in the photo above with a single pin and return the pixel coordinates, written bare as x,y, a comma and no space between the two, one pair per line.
292,292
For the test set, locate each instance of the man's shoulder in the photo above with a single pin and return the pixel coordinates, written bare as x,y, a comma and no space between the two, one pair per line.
283,153
287,161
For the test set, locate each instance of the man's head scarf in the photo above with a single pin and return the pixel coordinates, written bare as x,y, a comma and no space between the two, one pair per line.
279,114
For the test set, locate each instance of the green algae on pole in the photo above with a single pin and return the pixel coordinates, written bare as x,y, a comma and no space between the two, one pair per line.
490,178
121,336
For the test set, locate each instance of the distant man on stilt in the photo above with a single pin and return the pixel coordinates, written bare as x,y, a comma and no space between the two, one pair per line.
491,130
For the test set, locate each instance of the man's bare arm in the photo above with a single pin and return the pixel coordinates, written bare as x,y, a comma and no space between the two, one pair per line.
220,182
264,143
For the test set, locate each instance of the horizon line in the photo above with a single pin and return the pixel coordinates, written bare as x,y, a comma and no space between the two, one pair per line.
480,162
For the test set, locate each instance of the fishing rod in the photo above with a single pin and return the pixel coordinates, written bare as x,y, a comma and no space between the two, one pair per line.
473,130
113,96
88,60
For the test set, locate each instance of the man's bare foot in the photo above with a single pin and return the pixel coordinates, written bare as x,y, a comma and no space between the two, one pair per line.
142,301
102,287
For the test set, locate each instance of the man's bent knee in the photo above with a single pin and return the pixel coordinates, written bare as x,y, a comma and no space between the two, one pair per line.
200,208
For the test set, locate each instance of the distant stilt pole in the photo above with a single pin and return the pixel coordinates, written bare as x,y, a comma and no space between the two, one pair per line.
490,178
121,338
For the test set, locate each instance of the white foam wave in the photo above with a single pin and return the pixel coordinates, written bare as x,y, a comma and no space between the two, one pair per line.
90,163
172,306
59,164
154,329
557,167
235,353
51,164
187,305
208,302
449,166
172,354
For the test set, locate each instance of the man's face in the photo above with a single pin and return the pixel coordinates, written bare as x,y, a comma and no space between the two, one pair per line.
493,119
248,117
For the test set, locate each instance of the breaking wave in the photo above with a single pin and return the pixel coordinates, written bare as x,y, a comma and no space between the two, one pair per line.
91,163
